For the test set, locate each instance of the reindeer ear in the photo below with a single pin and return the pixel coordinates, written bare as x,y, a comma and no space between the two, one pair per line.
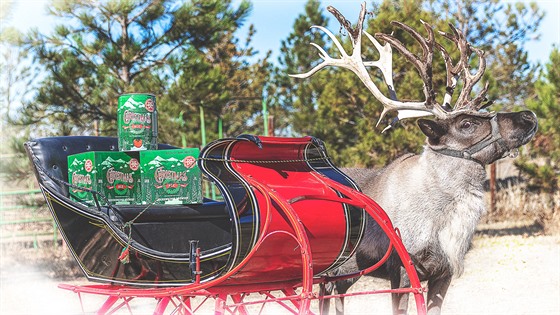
431,129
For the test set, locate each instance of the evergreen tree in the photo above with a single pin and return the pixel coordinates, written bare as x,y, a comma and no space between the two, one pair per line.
542,165
297,96
16,84
106,48
230,92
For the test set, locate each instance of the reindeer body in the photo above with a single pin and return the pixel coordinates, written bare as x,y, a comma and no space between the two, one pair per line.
435,199
436,209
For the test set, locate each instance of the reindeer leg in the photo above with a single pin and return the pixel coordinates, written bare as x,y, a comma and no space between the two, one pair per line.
341,287
324,304
399,279
436,293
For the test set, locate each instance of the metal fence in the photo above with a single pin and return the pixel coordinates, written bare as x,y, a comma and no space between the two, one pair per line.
24,218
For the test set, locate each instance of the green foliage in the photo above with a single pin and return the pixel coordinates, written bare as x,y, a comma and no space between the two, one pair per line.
543,164
106,48
224,83
186,53
297,96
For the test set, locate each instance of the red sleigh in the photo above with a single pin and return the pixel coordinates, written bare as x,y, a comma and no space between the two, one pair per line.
288,217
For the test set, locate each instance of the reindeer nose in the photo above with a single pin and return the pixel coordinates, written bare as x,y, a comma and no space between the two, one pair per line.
529,116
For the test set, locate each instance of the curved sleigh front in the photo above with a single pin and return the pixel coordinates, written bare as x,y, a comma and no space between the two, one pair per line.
282,207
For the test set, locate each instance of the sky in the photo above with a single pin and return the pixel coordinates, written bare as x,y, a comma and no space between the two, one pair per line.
273,20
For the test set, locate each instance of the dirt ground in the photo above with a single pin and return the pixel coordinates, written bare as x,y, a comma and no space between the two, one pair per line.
508,271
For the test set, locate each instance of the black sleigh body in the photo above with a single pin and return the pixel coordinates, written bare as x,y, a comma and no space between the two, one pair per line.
157,236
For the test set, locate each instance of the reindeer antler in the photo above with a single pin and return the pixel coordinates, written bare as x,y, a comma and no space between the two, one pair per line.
423,65
461,69
355,64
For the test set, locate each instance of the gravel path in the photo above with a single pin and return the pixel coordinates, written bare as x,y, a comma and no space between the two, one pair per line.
503,275
511,274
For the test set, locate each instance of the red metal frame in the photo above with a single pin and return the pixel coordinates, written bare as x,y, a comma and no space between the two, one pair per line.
231,299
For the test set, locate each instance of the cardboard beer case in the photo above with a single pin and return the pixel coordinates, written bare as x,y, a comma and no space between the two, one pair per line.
170,176
114,174
137,122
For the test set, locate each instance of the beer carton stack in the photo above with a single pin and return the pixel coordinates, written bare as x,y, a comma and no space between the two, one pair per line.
138,173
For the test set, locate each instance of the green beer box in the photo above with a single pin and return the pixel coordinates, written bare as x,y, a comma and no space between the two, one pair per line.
114,174
137,122
170,176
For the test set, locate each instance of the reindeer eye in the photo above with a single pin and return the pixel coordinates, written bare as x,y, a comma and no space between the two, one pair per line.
466,124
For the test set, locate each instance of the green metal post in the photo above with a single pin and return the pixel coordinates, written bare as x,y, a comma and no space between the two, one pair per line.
265,116
202,126
203,138
183,134
220,128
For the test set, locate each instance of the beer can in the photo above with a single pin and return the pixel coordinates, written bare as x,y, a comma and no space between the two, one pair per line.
137,122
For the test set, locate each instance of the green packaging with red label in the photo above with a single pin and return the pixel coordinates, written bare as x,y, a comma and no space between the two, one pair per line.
116,175
171,176
137,122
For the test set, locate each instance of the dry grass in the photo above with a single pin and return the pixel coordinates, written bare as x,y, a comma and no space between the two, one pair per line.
516,204
54,262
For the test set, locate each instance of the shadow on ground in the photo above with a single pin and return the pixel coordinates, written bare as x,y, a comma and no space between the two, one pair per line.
533,229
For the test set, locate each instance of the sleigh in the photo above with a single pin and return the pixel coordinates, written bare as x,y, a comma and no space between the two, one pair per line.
287,218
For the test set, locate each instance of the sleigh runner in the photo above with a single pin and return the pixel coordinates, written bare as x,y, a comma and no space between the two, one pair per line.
288,217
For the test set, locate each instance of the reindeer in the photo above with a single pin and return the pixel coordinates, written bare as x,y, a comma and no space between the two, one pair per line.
436,198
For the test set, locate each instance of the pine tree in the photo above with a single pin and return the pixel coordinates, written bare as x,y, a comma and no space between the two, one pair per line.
106,48
229,93
294,95
543,163
16,84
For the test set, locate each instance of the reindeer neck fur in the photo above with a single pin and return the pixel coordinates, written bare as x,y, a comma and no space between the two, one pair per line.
435,200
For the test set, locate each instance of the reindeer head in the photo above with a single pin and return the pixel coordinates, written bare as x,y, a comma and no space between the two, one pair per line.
481,139
462,130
